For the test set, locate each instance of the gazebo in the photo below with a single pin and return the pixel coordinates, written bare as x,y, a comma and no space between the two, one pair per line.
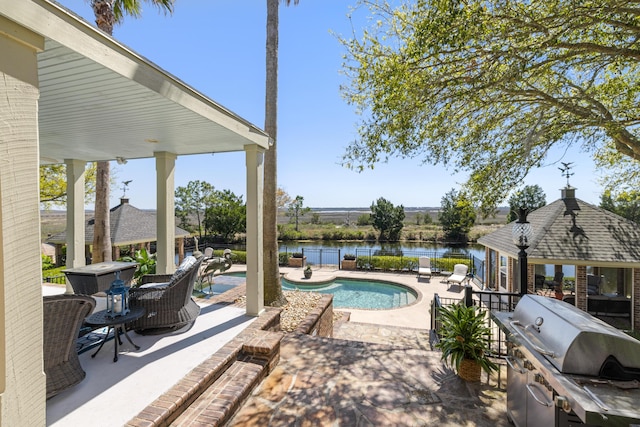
130,226
602,248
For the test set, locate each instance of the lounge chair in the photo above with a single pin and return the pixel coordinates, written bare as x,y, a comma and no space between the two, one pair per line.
167,300
208,253
539,282
63,316
424,266
556,282
459,274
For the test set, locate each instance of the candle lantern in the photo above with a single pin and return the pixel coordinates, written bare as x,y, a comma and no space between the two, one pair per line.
117,298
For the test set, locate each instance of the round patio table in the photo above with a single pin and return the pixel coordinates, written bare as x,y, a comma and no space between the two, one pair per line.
117,323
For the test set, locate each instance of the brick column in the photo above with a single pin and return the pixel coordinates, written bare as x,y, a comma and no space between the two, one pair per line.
635,299
581,287
531,273
511,264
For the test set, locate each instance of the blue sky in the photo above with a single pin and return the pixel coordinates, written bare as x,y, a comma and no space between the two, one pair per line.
218,48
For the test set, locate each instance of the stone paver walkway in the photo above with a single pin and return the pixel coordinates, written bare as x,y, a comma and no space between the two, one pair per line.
393,379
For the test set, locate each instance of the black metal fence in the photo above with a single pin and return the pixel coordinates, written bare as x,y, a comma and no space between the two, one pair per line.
59,279
486,300
478,268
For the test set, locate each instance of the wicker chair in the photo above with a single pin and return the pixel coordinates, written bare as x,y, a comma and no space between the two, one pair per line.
167,300
63,317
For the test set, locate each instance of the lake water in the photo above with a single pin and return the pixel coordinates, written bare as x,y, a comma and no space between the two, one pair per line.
327,252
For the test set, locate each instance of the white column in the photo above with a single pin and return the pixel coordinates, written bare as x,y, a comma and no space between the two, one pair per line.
255,272
166,222
75,215
22,380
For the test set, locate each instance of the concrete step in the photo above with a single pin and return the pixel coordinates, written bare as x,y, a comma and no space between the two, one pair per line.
403,299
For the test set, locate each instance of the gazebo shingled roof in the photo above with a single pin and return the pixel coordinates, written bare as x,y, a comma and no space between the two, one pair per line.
572,231
129,225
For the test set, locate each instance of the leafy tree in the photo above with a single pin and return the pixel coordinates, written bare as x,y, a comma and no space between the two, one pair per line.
272,287
530,197
296,209
489,86
192,200
364,219
226,214
387,219
282,198
53,184
426,218
315,218
626,204
423,218
108,13
457,215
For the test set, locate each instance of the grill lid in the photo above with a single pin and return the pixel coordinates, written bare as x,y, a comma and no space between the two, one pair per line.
574,341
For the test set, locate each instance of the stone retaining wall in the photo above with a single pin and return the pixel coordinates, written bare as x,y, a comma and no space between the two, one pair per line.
320,320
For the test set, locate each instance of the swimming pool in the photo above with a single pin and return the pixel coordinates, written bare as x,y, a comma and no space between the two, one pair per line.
360,294
347,293
223,283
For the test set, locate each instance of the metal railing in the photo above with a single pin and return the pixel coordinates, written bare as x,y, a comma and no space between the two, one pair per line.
59,279
486,300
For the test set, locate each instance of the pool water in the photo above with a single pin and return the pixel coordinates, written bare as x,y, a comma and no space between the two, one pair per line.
347,293
223,283
360,294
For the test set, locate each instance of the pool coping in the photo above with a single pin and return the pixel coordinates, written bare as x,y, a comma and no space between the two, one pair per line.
328,279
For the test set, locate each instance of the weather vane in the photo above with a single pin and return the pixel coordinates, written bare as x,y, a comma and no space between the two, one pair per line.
124,187
565,171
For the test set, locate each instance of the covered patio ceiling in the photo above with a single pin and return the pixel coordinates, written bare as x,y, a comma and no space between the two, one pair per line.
103,104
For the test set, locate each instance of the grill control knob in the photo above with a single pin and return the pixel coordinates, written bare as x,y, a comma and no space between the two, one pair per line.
563,402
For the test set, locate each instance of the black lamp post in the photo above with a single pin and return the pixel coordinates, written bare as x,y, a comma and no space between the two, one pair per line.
521,234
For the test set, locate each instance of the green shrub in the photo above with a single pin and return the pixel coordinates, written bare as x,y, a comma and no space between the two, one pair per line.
283,258
288,233
53,272
46,262
364,219
146,264
446,264
387,263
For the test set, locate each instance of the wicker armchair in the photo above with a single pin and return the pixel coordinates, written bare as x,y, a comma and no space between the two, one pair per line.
63,317
167,300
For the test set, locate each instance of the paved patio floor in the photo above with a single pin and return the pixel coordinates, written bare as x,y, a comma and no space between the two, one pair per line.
377,370
113,393
342,382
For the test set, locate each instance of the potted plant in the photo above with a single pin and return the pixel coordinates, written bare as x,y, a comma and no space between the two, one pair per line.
464,341
146,264
307,272
297,259
349,262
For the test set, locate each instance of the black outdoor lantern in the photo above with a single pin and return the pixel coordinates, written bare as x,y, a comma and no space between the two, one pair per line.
118,298
521,235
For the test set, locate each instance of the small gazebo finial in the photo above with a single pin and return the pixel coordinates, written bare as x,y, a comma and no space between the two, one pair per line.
565,171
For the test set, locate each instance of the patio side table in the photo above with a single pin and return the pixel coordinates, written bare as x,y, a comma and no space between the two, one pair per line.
117,323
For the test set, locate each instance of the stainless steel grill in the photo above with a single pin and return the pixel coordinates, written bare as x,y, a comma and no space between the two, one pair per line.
565,367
